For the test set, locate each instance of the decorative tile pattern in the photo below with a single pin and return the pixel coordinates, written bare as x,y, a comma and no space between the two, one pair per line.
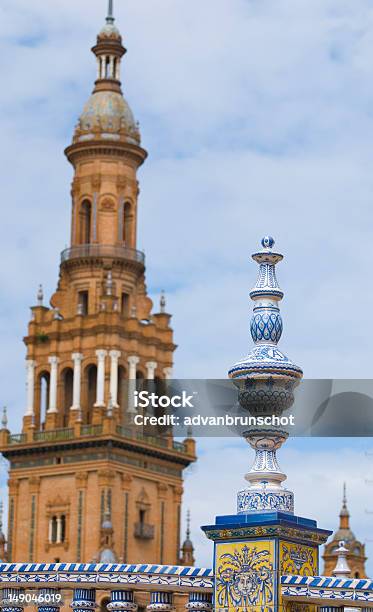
298,559
295,533
104,574
252,500
244,575
327,589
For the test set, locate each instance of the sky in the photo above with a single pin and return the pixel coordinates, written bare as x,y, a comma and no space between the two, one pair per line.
258,119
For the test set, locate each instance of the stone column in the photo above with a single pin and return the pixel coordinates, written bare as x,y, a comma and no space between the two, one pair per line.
103,67
50,528
30,386
114,356
77,359
84,599
53,361
161,601
151,367
112,75
132,362
100,399
168,373
49,600
122,601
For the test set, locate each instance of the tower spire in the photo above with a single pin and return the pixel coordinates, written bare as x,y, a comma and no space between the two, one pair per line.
344,515
110,12
188,525
187,549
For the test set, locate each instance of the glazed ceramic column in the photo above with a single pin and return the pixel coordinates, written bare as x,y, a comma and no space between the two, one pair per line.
151,367
10,600
114,356
132,363
30,386
122,601
199,602
161,601
53,361
84,599
100,399
49,600
77,359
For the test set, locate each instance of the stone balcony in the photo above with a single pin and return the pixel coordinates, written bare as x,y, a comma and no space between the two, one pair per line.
102,251
96,431
143,531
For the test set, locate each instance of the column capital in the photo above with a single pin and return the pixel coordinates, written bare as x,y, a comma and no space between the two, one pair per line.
151,365
77,357
30,363
115,354
168,372
133,360
101,353
53,360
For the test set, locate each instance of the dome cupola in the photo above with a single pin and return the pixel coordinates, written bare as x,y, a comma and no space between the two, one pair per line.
107,115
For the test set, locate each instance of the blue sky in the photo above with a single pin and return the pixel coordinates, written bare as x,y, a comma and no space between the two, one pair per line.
257,116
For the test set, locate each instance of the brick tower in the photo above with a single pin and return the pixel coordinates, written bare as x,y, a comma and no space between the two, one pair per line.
79,457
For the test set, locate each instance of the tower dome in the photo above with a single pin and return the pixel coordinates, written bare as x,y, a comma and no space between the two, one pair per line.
107,115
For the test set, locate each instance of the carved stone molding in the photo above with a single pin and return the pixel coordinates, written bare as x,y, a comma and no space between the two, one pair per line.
162,490
34,484
126,480
13,485
81,479
105,477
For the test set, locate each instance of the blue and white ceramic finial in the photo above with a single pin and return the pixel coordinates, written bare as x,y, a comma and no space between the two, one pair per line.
266,322
266,379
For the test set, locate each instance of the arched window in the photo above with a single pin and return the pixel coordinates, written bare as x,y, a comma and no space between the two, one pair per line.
53,530
91,385
139,380
63,527
85,222
357,575
127,224
67,394
107,67
44,382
